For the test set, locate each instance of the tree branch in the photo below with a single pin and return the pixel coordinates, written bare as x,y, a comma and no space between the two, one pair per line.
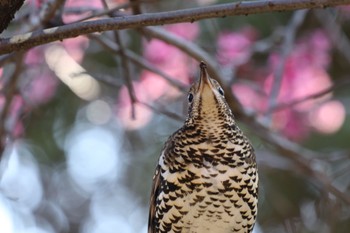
139,61
29,40
287,46
297,101
9,93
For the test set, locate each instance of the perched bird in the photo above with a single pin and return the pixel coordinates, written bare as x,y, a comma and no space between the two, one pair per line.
206,179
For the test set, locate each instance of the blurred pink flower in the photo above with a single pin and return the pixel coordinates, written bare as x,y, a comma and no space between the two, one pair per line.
151,86
41,89
248,97
159,52
40,84
300,83
235,48
36,3
76,47
167,57
344,12
304,75
124,108
35,56
171,61
69,18
188,31
328,118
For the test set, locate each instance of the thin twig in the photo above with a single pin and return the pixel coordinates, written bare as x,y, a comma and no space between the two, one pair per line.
5,59
171,115
289,36
50,9
10,91
140,61
319,94
32,39
127,73
125,67
335,32
297,154
109,11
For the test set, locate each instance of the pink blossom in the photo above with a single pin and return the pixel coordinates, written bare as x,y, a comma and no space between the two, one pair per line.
170,60
153,86
311,81
304,75
235,48
344,12
247,96
76,47
35,56
315,49
36,3
143,115
159,52
124,108
41,89
328,118
300,83
40,83
188,31
150,87
69,18
295,125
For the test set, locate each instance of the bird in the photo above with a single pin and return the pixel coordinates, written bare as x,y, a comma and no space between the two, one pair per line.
206,179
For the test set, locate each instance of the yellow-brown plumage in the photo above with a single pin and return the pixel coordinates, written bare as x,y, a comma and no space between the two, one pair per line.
206,179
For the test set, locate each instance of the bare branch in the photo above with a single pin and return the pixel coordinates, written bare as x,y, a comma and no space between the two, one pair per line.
125,67
10,91
29,40
300,156
164,112
336,34
127,73
50,9
140,61
289,36
309,97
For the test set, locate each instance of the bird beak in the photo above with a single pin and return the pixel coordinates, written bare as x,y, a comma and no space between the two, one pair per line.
204,79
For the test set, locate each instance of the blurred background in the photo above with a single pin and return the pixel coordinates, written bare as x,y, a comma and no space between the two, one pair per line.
83,120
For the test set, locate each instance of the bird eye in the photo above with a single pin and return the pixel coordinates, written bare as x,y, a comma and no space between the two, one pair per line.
190,97
221,91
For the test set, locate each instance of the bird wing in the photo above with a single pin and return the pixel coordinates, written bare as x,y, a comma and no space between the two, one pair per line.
154,195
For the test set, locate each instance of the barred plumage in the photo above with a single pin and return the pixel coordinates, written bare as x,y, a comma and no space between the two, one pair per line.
206,179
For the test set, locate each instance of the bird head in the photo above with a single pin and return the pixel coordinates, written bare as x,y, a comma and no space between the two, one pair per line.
206,99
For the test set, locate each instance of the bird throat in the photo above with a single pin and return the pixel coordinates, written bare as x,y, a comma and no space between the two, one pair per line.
210,111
